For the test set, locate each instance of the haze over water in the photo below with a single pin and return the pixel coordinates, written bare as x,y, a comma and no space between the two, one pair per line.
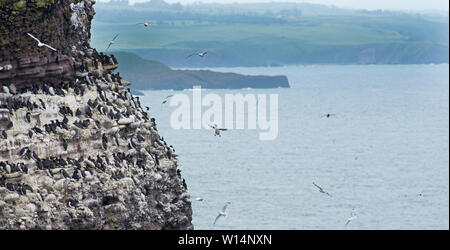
385,154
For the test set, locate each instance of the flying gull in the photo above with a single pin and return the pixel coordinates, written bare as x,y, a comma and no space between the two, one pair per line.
352,217
222,213
217,129
112,41
40,44
321,190
166,99
146,24
200,54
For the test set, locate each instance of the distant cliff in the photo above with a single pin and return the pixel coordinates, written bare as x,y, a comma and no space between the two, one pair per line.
147,74
274,33
77,151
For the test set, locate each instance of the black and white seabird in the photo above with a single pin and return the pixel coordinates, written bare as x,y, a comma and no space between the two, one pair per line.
28,117
64,174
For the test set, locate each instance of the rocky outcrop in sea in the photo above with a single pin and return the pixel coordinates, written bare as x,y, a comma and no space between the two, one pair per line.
77,150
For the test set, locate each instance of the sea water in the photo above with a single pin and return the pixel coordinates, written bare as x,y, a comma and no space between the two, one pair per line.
384,155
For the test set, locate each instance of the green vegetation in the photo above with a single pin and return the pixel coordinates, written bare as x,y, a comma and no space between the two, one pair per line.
271,34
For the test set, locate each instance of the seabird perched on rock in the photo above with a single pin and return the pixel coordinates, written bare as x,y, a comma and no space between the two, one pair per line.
37,130
131,144
112,42
64,174
65,145
8,167
222,213
42,103
156,159
49,173
40,44
23,151
5,89
6,67
217,130
28,117
104,142
51,90
3,135
9,126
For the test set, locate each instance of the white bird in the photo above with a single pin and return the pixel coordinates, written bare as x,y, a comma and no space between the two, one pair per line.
5,90
321,190
8,168
112,41
217,130
199,199
40,44
352,217
6,67
200,54
51,91
222,213
146,24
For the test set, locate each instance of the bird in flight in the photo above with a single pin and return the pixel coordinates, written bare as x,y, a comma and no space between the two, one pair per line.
222,213
352,217
166,99
328,115
200,54
217,129
112,41
146,24
321,190
40,44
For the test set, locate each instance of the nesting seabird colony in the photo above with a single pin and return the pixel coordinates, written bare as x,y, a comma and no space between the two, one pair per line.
84,154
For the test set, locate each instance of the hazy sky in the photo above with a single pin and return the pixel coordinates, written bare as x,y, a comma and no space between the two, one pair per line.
416,5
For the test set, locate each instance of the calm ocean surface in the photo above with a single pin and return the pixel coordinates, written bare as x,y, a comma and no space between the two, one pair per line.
385,154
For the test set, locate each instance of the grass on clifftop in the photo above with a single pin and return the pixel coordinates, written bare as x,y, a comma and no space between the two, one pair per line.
248,39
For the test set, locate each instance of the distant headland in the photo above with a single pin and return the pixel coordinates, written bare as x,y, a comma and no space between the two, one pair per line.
149,74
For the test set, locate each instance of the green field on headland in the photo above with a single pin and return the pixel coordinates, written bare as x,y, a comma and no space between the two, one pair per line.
260,35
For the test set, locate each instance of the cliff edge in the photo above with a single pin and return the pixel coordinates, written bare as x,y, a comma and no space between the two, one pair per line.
77,150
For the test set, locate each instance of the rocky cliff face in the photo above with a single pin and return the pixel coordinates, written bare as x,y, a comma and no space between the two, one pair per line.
77,151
